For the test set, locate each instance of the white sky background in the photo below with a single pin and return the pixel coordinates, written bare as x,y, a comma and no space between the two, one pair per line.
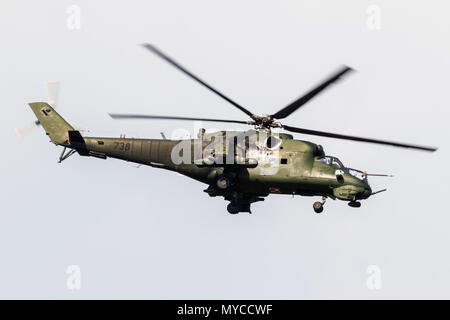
149,233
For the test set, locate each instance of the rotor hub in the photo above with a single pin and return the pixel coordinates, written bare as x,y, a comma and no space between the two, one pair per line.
264,122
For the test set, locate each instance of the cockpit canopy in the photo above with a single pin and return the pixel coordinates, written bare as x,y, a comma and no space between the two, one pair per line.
357,174
333,161
336,163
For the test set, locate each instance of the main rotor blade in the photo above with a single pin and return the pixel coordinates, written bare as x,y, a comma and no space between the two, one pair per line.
143,116
345,137
190,74
286,111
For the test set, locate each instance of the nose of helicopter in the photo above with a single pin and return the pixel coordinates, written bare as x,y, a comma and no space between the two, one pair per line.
367,191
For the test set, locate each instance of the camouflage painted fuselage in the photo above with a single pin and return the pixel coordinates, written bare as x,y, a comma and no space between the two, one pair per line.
253,167
291,169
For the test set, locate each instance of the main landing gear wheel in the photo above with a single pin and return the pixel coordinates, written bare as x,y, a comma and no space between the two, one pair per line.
232,209
236,208
318,207
223,183
354,204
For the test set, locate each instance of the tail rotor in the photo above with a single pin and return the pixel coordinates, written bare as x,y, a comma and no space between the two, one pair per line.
52,98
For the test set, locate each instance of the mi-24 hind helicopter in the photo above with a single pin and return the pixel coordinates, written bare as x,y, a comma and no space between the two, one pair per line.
243,167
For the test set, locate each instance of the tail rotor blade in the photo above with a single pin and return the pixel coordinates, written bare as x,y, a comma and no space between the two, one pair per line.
52,98
53,93
24,131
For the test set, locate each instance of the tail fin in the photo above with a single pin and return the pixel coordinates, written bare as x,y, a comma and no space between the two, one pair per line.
54,125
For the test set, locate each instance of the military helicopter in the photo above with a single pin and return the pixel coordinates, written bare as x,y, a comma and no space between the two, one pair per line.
244,167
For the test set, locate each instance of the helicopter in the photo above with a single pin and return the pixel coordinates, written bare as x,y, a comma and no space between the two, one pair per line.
243,167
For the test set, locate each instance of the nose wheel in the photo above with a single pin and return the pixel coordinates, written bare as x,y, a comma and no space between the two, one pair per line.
318,206
354,204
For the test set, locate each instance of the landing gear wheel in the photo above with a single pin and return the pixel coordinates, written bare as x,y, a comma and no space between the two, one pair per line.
232,209
236,208
354,204
223,183
318,207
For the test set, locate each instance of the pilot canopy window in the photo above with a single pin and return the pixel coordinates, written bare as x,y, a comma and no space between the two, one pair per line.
335,162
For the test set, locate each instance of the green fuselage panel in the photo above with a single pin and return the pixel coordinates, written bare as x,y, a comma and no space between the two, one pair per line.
291,169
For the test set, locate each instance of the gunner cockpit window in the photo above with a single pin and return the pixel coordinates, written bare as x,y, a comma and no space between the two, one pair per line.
333,161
